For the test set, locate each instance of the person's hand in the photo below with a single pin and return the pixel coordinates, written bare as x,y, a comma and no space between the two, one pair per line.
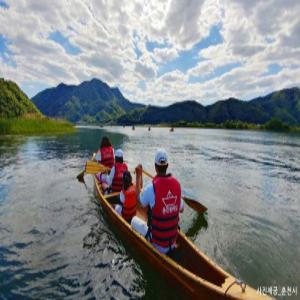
139,170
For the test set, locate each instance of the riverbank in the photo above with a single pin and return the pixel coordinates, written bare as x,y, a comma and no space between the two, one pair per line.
30,126
272,125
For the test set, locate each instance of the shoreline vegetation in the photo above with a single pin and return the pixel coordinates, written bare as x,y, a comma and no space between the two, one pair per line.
18,115
272,125
29,125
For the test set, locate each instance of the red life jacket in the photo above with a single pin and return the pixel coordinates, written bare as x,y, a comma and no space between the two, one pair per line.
117,182
107,156
129,205
165,213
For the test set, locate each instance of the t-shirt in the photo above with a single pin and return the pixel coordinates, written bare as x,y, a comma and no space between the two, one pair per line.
109,178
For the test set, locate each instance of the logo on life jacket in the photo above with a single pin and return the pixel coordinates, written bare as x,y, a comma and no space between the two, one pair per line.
169,204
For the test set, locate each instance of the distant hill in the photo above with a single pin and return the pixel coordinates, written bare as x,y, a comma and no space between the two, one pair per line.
95,101
283,105
90,101
13,102
190,111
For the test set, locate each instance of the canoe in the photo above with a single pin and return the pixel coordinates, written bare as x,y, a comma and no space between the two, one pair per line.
191,269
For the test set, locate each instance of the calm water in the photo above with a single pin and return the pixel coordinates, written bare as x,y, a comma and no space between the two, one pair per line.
55,241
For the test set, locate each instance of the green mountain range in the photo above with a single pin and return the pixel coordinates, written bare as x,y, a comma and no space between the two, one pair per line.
283,105
90,101
94,101
13,102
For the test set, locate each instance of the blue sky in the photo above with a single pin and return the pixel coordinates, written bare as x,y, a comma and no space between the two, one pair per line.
188,59
60,39
3,4
157,53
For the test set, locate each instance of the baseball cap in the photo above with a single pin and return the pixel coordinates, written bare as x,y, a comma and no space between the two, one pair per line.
161,157
119,153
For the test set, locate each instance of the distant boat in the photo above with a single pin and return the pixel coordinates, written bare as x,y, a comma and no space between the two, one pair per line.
133,128
171,129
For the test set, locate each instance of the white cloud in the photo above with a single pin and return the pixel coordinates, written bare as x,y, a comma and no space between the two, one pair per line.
254,34
146,71
187,22
163,55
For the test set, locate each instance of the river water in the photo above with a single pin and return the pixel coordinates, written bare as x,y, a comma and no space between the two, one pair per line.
56,242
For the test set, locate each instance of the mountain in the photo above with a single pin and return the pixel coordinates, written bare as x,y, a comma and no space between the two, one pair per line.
283,105
190,111
95,101
90,101
13,102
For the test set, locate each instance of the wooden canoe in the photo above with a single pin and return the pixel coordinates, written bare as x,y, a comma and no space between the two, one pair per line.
192,270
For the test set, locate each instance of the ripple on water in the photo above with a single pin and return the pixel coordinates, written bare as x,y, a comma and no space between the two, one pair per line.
56,243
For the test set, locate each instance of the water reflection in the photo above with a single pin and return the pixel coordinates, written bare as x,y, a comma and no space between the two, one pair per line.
57,243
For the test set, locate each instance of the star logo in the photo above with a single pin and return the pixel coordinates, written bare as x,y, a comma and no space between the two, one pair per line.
169,203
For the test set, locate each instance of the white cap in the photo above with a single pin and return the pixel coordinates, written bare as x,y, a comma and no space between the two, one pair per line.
119,153
161,157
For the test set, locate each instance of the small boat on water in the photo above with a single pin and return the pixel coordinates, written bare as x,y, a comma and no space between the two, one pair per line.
189,268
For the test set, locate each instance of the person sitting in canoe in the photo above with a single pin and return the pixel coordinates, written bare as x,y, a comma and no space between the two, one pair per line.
114,181
127,198
163,198
105,155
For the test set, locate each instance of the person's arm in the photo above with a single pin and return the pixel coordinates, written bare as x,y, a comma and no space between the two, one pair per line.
111,175
122,197
139,180
181,209
147,196
98,156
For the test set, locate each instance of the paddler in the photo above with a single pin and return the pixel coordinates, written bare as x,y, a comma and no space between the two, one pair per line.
163,198
105,155
127,198
114,181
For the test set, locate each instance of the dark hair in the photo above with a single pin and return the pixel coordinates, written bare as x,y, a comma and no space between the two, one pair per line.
127,180
161,169
105,142
119,159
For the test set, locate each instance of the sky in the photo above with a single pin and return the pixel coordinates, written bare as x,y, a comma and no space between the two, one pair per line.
155,52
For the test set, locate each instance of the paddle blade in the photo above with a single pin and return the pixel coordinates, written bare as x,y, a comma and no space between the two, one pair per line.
80,176
92,167
197,206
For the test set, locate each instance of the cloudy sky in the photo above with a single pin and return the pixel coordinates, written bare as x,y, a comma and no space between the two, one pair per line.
155,51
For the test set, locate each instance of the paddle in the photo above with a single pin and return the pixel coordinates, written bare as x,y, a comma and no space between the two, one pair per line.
197,206
91,167
80,176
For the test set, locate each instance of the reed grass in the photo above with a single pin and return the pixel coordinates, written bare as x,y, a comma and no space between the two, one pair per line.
34,125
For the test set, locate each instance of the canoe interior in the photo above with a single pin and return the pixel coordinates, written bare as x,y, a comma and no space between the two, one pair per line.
187,256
